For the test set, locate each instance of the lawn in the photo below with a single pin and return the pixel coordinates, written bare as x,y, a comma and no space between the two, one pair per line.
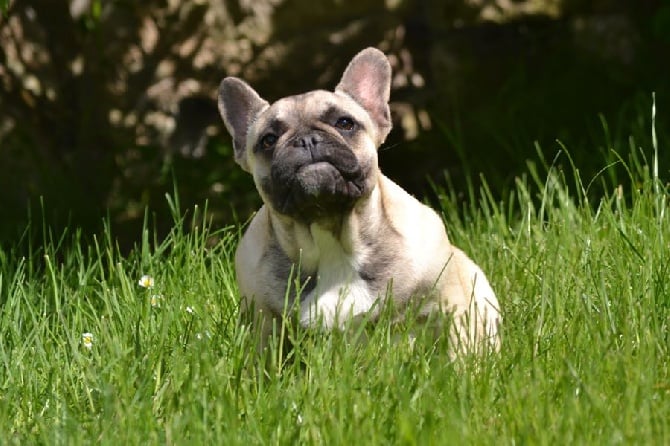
92,351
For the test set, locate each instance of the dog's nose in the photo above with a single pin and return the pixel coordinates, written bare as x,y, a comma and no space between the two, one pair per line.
306,141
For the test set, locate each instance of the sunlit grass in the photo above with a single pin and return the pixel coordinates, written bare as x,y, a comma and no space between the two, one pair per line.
147,348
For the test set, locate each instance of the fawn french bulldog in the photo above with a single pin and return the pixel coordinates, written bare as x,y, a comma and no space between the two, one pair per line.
331,219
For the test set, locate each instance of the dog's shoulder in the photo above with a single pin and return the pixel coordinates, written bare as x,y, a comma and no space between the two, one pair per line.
252,264
409,216
256,239
263,264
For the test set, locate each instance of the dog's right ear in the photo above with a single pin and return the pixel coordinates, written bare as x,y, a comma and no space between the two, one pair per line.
239,105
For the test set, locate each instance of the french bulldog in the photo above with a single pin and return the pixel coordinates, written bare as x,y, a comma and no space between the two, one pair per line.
335,237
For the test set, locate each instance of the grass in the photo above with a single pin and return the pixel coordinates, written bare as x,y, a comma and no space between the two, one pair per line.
583,283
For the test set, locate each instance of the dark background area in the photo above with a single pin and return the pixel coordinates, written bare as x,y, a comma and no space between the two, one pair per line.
106,105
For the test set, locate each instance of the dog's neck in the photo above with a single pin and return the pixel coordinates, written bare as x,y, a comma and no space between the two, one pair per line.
307,243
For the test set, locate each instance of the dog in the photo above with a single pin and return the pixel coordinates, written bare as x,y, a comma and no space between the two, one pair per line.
335,237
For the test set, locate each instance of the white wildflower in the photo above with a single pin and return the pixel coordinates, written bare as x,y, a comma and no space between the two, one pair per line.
87,340
156,300
146,281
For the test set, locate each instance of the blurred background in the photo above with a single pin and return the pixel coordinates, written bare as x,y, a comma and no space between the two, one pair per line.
106,106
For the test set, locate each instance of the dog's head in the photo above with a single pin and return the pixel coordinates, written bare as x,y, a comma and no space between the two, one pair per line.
313,155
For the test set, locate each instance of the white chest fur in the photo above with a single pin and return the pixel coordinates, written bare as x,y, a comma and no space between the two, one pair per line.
340,294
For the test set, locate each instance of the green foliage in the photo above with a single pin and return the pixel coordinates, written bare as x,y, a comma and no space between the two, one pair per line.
585,359
660,22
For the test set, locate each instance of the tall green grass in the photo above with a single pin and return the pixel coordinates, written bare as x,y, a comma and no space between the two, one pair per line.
583,284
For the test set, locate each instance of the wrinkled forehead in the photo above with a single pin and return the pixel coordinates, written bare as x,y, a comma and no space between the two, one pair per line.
319,104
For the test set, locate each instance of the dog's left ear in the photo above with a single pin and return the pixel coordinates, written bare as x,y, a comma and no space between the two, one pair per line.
367,80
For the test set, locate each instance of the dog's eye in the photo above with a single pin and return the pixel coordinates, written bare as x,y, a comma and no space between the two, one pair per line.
344,123
268,141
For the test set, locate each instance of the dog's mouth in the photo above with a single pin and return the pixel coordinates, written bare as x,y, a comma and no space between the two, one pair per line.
323,179
319,190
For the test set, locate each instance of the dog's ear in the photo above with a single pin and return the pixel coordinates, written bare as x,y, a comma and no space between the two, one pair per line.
367,80
239,105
